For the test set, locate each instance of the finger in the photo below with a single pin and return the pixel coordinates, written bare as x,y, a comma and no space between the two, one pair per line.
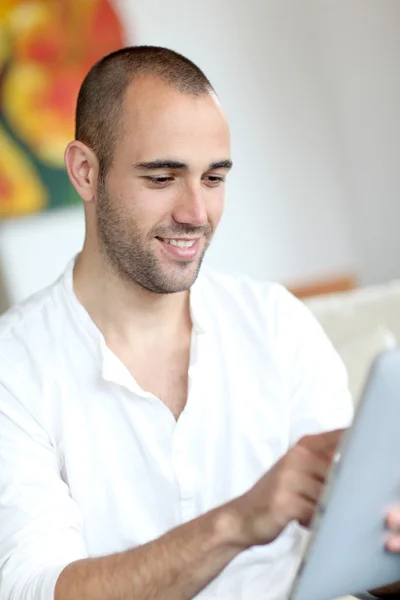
393,520
309,463
326,442
393,543
323,442
306,510
308,488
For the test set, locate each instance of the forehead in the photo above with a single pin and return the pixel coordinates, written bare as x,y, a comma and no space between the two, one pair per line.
158,120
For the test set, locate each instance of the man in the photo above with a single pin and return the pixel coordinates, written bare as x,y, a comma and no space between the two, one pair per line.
161,438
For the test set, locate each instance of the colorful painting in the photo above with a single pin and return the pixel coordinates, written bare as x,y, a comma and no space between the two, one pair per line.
46,48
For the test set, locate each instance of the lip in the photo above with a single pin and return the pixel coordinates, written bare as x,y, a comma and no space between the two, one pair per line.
183,239
182,254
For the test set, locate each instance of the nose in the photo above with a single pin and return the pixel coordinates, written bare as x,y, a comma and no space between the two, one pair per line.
190,208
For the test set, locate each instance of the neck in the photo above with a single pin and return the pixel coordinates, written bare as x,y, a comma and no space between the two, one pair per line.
125,311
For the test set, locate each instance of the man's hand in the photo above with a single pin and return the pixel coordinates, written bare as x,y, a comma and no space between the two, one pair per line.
289,491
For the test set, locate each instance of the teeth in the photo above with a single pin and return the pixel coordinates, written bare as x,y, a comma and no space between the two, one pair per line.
181,243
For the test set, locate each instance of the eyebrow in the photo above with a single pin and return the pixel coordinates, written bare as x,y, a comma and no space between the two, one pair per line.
173,164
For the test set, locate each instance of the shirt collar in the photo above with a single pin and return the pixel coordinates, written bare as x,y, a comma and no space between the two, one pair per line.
196,305
108,363
197,309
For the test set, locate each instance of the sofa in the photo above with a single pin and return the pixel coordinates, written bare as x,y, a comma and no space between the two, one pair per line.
361,323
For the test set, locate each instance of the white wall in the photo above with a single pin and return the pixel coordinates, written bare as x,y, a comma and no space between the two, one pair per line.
360,56
35,250
290,75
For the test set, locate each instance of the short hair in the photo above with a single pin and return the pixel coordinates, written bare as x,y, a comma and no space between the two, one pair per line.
100,99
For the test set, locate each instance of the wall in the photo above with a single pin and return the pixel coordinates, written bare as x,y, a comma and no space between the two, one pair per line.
359,45
290,79
34,251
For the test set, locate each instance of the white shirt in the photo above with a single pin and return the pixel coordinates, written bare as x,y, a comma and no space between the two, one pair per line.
91,464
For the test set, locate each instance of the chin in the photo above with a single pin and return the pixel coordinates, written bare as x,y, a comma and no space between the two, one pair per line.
179,280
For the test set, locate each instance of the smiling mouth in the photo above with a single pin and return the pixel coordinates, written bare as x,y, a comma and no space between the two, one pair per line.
179,243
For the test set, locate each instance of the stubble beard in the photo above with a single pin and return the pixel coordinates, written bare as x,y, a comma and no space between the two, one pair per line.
127,249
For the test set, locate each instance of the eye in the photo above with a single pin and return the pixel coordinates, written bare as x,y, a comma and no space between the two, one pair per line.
214,180
160,181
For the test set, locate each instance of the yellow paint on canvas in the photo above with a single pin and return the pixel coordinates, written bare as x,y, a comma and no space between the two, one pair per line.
21,191
43,129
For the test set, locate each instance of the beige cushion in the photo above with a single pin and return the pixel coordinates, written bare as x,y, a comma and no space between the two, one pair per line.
364,309
360,324
359,352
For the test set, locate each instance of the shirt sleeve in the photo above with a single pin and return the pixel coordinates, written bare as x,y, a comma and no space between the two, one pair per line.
318,393
40,526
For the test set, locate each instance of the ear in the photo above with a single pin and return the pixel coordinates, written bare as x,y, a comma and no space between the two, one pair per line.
83,168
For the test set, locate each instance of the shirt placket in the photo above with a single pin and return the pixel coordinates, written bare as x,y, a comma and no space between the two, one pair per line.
182,441
183,469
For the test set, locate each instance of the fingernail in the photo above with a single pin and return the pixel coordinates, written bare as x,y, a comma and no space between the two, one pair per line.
393,544
394,520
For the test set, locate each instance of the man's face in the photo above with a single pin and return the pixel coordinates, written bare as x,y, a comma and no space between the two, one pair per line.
163,195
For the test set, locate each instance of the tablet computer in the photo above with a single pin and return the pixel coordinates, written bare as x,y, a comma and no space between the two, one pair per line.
346,552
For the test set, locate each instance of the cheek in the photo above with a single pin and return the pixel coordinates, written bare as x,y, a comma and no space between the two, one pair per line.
147,207
215,208
155,206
